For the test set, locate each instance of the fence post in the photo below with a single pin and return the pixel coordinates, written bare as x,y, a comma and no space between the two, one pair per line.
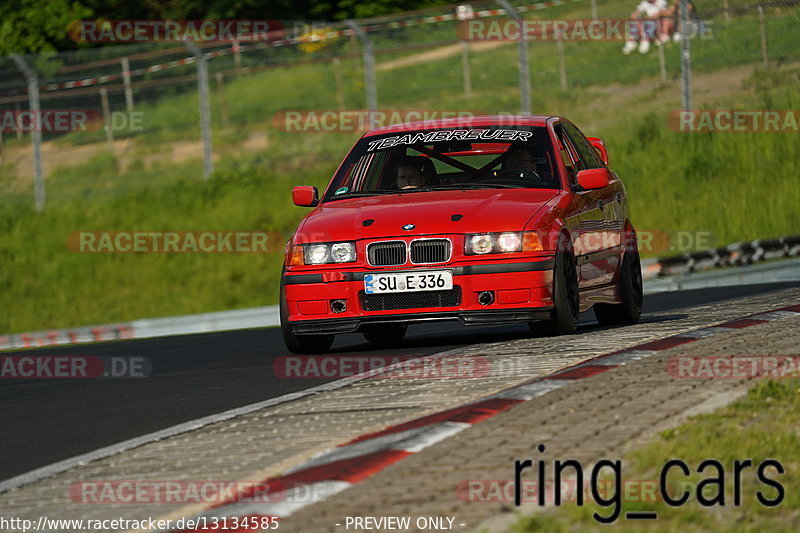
36,133
17,110
205,106
223,103
594,9
662,64
337,74
369,70
562,64
237,58
107,117
686,58
524,72
464,12
465,69
126,79
763,28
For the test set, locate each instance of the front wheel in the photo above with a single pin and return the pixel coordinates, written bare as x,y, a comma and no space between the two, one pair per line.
564,317
630,289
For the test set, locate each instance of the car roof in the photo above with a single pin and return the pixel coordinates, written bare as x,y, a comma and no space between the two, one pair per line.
465,122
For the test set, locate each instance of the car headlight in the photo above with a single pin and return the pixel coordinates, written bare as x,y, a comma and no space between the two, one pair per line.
321,254
509,242
343,252
316,254
480,244
504,242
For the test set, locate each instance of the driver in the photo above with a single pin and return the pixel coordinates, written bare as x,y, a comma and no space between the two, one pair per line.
412,172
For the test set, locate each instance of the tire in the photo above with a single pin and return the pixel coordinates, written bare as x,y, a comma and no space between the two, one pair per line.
385,333
301,344
566,299
630,289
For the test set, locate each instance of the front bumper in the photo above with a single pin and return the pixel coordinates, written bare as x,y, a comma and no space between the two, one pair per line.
522,293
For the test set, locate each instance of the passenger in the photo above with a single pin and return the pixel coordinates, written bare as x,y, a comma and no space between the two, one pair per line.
519,159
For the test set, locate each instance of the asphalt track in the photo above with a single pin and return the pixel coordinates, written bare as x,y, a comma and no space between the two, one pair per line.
44,421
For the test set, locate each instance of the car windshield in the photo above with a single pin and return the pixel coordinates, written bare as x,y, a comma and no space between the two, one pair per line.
489,157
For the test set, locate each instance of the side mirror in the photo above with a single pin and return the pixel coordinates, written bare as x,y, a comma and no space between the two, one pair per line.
599,147
593,178
305,196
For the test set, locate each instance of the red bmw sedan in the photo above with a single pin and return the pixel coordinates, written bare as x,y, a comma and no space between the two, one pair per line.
486,220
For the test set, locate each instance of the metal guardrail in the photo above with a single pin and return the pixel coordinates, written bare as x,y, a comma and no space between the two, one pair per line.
735,254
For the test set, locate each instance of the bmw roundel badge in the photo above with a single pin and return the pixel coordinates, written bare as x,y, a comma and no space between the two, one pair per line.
409,227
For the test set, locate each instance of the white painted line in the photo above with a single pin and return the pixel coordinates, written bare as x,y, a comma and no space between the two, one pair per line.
621,358
411,440
702,333
775,315
532,390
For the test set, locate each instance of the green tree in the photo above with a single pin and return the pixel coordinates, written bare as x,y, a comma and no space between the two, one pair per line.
38,26
43,25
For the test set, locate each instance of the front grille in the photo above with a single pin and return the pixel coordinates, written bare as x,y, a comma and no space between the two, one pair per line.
410,300
430,251
390,253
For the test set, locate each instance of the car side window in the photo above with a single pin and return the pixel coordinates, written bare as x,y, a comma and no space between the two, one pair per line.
586,152
568,155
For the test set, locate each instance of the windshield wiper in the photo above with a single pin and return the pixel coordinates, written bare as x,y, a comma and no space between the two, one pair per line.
356,194
477,186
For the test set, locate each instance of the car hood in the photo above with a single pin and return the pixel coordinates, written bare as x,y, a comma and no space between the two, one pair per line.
431,212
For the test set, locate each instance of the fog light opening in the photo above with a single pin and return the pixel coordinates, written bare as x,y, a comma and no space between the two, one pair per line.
486,297
338,306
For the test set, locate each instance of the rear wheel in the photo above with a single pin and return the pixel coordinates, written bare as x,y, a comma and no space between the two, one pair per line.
630,290
385,333
301,344
564,317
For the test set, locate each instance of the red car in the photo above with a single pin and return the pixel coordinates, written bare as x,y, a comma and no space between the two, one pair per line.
487,220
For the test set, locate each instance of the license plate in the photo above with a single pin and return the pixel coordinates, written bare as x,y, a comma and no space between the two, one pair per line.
437,280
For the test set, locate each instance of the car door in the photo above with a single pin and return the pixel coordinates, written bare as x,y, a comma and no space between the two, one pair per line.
596,252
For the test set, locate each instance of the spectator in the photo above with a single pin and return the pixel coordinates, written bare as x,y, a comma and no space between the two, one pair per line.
647,16
671,20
